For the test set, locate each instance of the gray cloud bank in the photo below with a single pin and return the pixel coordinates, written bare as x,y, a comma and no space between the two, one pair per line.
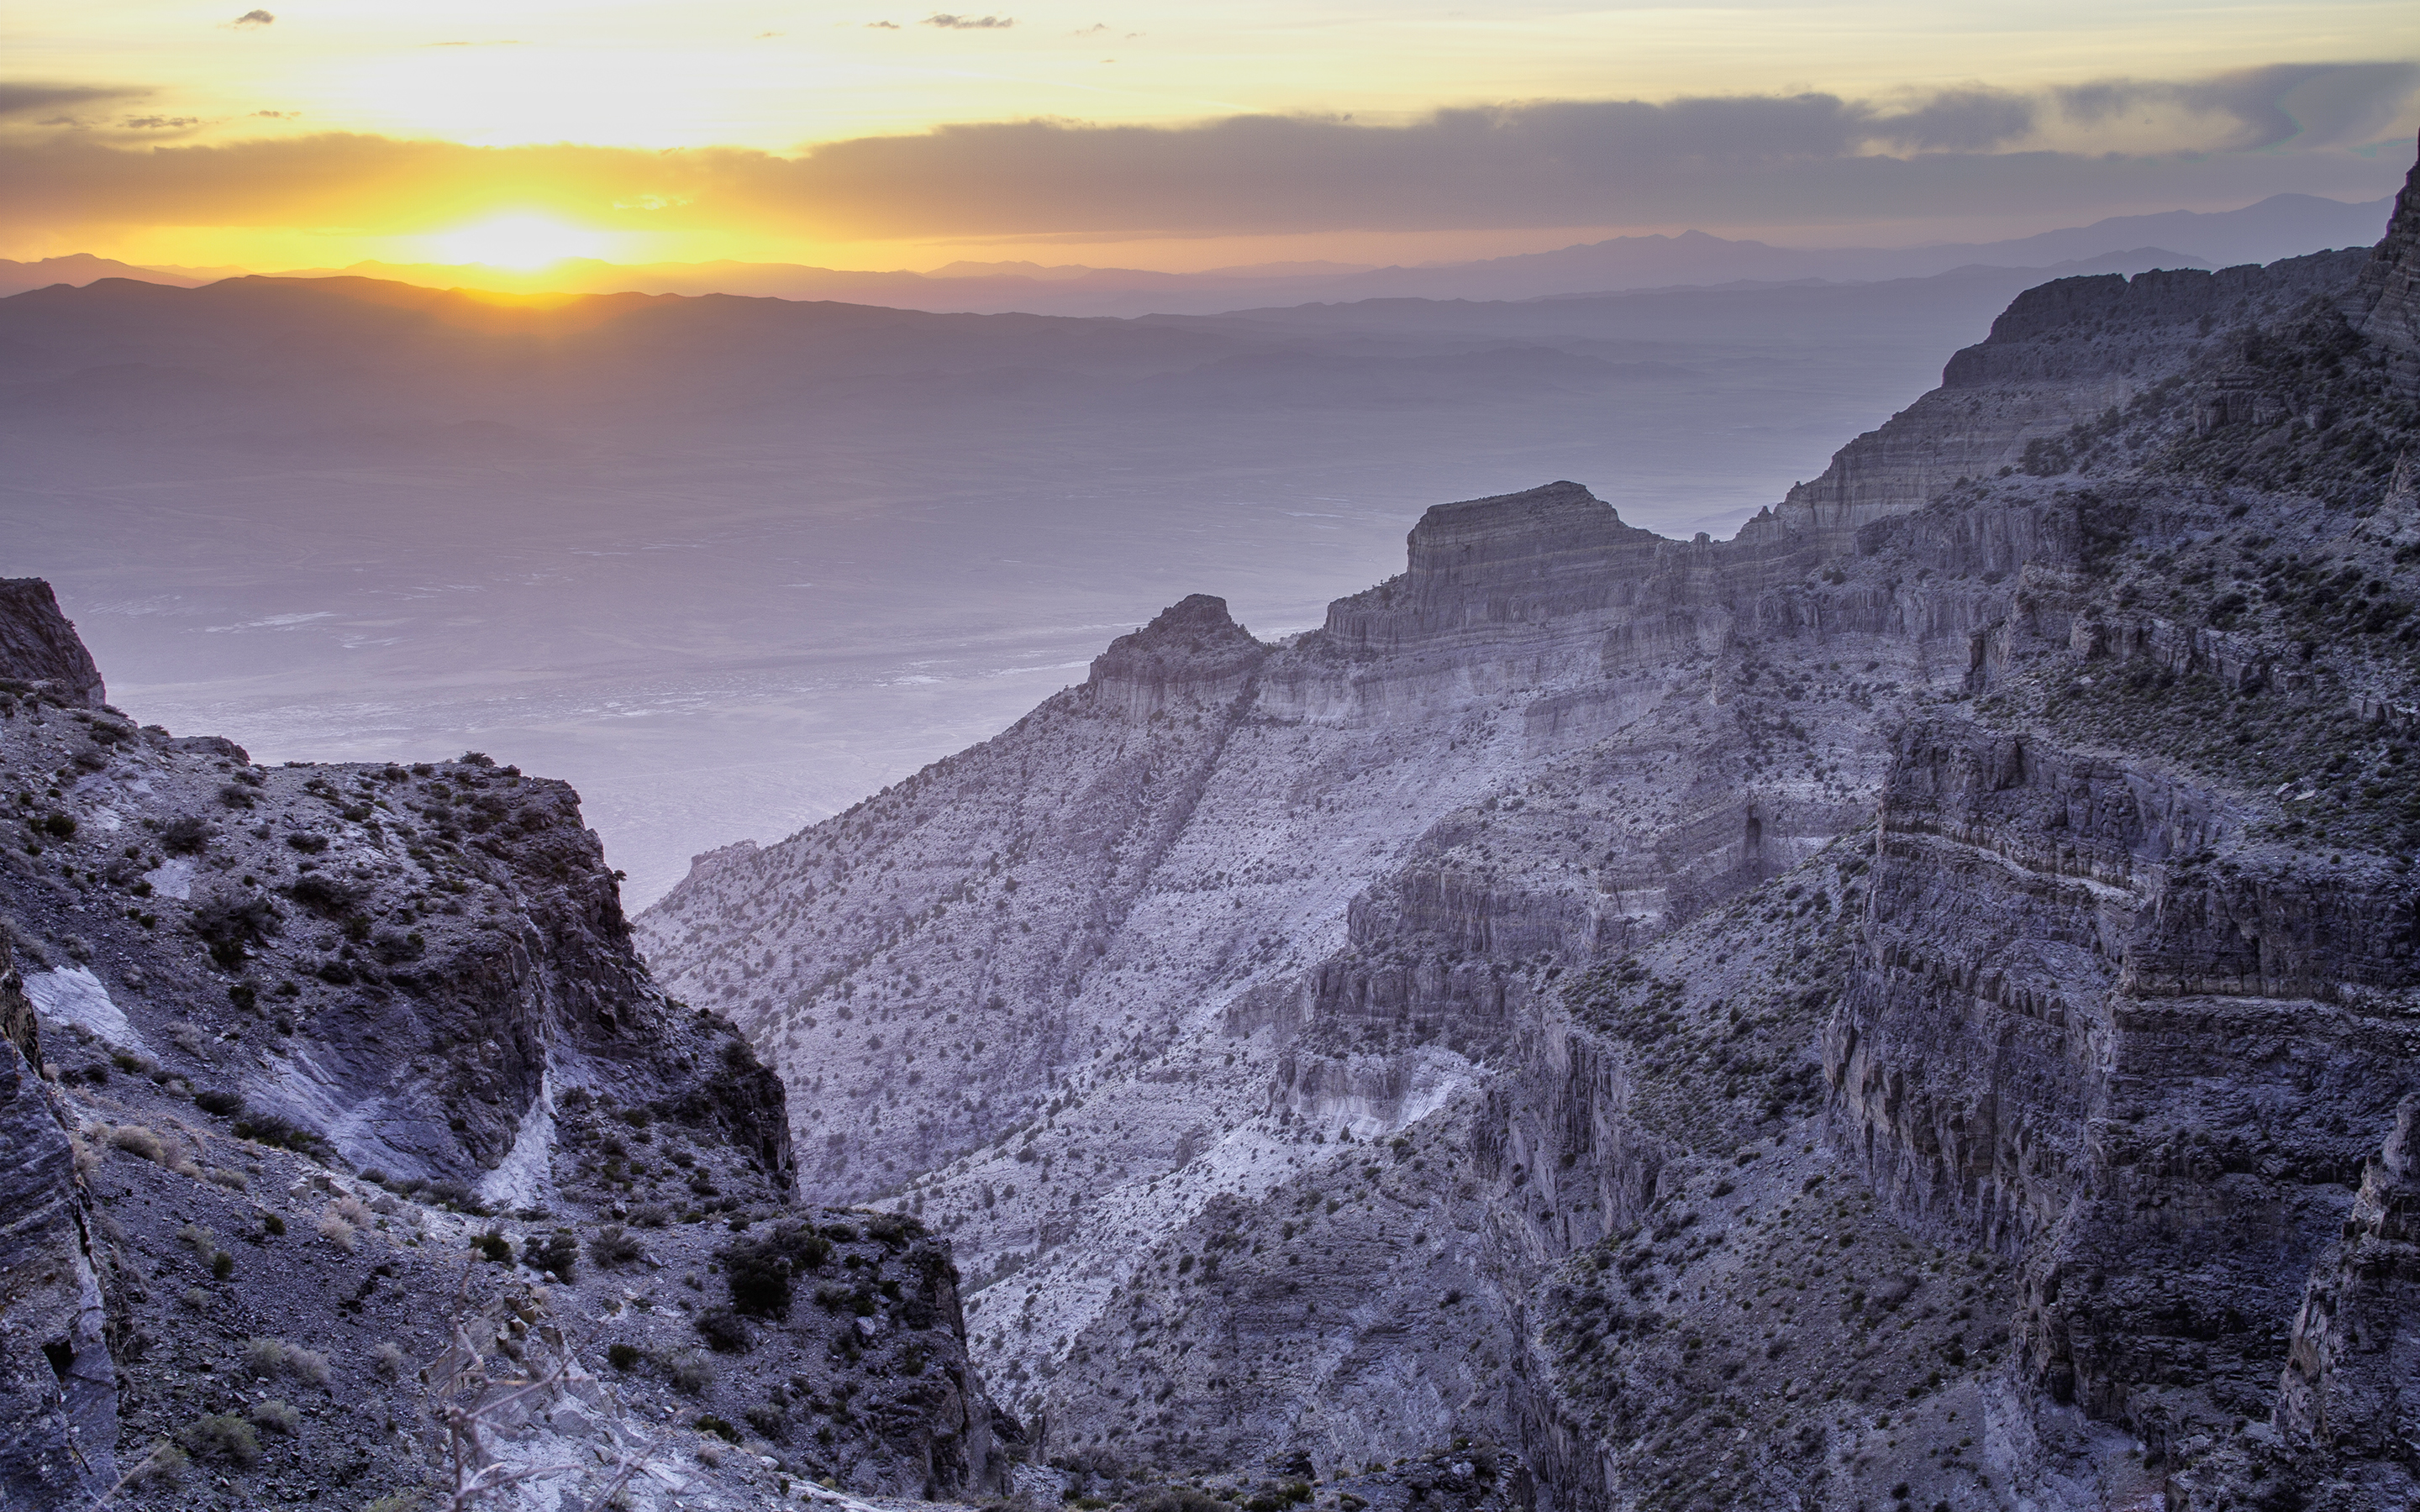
1740,160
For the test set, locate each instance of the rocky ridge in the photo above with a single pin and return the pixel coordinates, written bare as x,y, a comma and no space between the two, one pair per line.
1892,1008
335,1096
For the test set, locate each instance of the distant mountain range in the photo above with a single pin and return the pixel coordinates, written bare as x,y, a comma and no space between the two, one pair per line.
2282,226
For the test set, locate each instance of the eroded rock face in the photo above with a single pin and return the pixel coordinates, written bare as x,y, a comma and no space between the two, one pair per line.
2062,354
39,645
1192,655
59,1387
2386,303
360,1056
1892,1006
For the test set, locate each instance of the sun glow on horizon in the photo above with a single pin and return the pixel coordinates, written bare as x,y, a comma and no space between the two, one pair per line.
524,243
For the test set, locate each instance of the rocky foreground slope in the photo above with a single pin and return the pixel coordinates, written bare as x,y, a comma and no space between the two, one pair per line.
334,1103
1912,1006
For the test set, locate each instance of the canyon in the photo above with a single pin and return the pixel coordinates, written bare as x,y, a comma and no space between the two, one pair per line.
1910,1004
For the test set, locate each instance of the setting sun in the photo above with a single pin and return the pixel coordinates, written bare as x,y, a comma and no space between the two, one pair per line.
517,241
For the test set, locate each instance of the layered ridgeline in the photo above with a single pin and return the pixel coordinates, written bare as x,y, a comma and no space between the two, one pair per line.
335,1096
1893,1009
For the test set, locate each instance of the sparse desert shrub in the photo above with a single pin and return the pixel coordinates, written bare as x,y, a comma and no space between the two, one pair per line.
199,1240
336,1230
651,1215
222,1436
185,835
493,1245
612,1245
268,1129
387,1359
274,1415
264,1357
726,1331
760,1271
135,1139
625,1357
558,1253
398,1502
771,1420
323,894
189,1038
272,1224
234,1180
1180,1499
232,926
197,1299
221,1265
691,1371
708,1423
165,1466
353,1210
307,1365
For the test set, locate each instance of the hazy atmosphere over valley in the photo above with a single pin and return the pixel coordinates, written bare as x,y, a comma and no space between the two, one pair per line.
1516,759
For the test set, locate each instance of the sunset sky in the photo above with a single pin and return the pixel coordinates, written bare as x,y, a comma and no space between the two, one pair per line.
313,133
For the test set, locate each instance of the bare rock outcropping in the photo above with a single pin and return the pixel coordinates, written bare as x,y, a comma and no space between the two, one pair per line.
58,1392
39,645
1192,654
309,1074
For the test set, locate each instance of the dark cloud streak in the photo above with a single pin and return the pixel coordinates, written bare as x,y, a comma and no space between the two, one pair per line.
1732,161
18,98
2307,104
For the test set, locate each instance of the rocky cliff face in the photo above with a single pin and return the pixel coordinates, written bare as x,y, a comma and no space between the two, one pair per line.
329,1082
37,644
2062,356
58,1397
2385,305
1892,1008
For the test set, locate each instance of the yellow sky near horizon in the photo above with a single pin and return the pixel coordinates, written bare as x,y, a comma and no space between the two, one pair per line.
779,78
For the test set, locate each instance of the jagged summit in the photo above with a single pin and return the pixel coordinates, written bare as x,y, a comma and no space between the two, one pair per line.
39,645
1193,651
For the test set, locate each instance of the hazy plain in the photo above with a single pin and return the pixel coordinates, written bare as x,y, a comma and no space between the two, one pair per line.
725,611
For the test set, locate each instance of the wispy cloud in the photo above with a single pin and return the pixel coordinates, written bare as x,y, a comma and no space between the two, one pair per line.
253,18
968,23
